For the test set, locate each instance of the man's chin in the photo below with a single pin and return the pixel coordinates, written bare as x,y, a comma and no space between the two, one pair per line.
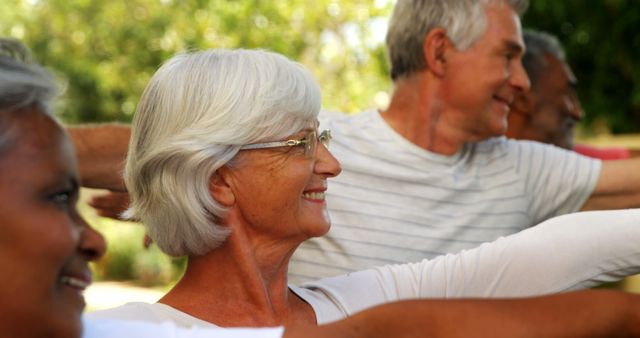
498,130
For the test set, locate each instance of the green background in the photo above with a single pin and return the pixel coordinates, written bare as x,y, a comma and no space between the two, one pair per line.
104,51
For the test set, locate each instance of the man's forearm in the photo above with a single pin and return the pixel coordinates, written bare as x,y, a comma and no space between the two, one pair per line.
101,150
618,186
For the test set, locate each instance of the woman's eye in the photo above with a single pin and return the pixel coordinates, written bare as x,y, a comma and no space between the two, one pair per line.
62,198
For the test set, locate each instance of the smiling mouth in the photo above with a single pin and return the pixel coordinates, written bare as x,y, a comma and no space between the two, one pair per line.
503,100
318,196
74,282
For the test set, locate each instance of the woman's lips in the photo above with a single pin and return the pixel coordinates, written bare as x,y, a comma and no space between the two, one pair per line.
76,282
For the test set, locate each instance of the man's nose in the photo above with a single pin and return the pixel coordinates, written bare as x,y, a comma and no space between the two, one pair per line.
519,77
574,108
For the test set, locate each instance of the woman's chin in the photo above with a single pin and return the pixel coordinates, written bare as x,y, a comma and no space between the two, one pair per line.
320,229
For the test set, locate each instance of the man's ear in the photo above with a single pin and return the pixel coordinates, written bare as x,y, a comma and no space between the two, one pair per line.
220,188
434,48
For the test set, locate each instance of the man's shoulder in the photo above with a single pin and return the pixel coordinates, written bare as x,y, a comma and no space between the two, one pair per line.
527,150
493,144
507,144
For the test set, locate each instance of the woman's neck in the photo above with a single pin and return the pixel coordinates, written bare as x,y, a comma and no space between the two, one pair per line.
240,284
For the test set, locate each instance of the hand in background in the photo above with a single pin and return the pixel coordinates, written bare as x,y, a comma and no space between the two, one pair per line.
112,204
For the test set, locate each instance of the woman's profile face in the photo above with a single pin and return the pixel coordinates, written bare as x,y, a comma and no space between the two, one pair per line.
45,245
279,192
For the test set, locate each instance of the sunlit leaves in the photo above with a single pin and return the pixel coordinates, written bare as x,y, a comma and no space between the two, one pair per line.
106,50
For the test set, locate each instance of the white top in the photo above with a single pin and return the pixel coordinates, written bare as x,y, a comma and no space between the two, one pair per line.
570,252
105,328
155,312
395,202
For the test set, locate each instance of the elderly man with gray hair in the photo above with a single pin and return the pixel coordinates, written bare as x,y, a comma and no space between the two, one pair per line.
433,174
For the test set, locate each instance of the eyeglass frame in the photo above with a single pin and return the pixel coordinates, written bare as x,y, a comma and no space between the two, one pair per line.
312,138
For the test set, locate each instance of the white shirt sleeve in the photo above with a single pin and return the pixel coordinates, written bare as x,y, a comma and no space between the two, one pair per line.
569,252
107,328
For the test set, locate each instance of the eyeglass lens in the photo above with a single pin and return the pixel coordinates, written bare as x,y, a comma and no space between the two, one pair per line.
325,138
311,141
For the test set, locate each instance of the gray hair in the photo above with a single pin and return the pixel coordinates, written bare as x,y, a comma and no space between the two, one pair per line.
464,20
22,85
194,115
538,46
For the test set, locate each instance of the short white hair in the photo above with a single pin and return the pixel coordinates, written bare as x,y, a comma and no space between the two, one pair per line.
196,112
464,20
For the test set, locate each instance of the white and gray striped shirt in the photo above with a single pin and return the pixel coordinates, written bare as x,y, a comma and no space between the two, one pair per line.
395,202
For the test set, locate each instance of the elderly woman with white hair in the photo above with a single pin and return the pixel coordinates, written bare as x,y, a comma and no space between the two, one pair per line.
227,167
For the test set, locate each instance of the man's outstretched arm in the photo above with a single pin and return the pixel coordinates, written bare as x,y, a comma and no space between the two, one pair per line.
101,150
618,186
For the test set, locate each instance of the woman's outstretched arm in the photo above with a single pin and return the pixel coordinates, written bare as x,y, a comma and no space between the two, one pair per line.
600,313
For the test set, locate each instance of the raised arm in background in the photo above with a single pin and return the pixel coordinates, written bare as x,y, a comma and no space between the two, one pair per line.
101,151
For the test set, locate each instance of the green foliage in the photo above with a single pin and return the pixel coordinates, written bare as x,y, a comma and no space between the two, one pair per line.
123,244
603,47
127,259
106,50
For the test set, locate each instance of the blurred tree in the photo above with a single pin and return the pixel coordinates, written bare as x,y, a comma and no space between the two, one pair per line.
104,51
603,47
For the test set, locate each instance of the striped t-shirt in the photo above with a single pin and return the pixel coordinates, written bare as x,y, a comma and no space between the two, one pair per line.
395,202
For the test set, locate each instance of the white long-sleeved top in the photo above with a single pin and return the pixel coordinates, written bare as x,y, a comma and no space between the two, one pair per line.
565,253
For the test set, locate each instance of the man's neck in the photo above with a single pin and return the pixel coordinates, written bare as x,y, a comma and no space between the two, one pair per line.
418,114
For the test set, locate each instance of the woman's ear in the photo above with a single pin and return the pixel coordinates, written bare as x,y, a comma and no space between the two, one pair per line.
434,48
220,188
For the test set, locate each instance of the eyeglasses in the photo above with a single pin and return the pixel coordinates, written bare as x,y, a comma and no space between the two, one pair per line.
310,143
